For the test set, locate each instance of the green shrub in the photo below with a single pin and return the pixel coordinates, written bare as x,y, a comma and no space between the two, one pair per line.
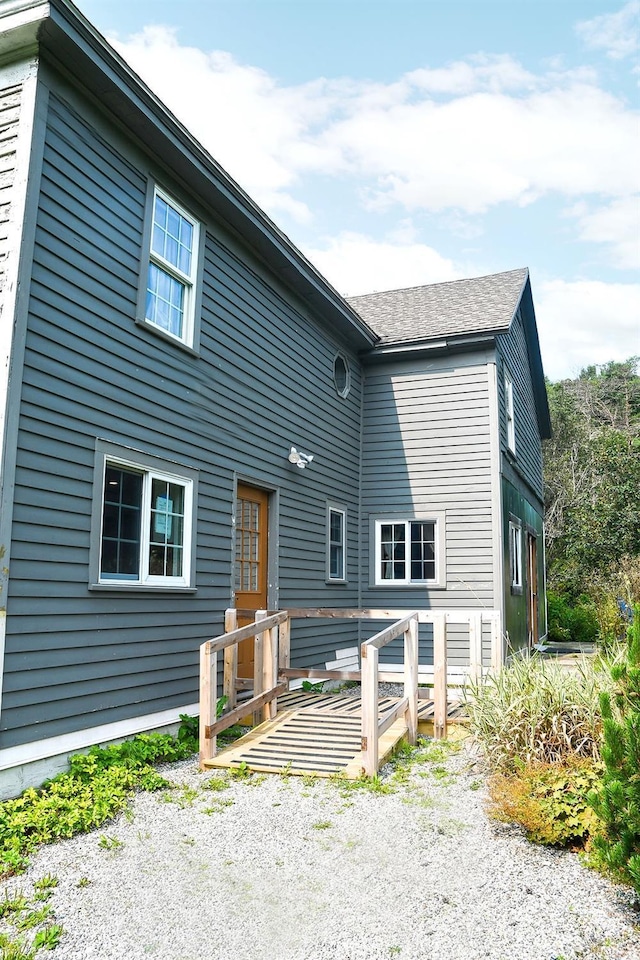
536,711
576,621
549,801
617,802
97,786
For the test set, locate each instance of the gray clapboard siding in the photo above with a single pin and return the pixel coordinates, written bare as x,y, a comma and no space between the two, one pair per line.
512,348
262,381
432,435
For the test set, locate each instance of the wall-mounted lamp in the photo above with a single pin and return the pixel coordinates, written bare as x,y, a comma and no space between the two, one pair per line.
300,459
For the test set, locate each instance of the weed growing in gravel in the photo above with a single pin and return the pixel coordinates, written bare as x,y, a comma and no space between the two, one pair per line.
22,916
216,784
109,843
83,882
322,825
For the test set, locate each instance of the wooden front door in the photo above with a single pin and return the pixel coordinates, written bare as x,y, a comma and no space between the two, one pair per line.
252,526
532,590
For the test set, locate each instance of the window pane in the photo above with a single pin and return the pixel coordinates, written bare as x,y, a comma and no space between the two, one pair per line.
166,529
423,566
172,236
121,524
392,548
165,301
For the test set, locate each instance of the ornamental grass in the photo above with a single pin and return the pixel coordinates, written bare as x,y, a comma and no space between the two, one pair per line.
538,711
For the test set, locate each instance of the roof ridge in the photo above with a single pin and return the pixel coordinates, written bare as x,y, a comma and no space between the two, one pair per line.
440,283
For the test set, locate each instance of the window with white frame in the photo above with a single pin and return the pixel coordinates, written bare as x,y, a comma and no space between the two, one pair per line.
508,405
515,555
336,543
146,522
172,271
408,551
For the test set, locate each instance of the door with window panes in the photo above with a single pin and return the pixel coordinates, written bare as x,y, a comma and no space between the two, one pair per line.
252,525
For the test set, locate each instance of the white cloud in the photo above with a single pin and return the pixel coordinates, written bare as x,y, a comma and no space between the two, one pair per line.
615,33
616,224
584,322
356,264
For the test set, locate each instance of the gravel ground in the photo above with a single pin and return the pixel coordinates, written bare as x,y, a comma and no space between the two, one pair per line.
292,869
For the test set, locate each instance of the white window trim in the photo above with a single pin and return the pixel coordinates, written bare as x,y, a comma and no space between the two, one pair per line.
438,518
336,508
188,281
344,392
515,555
149,467
509,411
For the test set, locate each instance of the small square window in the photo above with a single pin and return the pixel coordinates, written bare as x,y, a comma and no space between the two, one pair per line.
336,543
409,551
171,273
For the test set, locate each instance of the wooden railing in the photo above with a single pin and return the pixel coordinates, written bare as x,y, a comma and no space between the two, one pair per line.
272,670
264,632
372,727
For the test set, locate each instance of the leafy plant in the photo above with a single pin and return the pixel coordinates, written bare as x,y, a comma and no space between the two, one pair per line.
576,622
96,788
309,687
549,801
617,802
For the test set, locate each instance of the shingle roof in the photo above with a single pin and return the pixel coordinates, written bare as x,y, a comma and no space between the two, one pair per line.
481,305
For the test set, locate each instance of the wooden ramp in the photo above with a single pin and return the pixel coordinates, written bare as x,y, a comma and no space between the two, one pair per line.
315,733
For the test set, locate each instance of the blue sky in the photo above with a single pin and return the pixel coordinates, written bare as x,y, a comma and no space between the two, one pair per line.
401,142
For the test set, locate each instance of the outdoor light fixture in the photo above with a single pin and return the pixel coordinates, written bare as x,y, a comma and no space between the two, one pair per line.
300,459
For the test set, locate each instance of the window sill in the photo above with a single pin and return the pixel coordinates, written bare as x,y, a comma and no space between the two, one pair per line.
159,332
516,591
390,585
336,583
123,587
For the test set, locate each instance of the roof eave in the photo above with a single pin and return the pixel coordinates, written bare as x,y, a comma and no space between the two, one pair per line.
462,343
75,47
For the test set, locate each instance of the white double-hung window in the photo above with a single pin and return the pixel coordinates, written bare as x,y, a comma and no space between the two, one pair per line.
172,271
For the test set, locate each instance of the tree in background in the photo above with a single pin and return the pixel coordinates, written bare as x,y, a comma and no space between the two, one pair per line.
592,481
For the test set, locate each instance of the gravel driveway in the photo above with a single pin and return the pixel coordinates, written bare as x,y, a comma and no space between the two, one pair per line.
295,869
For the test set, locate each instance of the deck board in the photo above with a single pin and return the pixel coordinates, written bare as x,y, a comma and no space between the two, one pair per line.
318,733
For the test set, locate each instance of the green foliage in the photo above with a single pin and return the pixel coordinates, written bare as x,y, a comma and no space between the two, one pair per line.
535,710
21,916
576,622
96,788
592,476
549,801
309,687
617,802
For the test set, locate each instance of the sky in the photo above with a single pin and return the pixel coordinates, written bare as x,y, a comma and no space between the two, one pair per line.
405,142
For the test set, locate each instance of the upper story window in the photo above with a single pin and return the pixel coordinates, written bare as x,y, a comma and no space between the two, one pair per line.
515,555
409,551
508,405
336,543
341,375
172,271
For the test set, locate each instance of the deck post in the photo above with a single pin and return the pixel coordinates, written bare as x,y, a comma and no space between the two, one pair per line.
258,665
369,700
284,645
230,661
497,655
439,676
411,679
269,670
208,698
475,645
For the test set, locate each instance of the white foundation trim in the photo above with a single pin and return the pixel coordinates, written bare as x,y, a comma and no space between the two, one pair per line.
71,742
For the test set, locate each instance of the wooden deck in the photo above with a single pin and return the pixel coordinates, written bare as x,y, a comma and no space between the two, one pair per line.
320,734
